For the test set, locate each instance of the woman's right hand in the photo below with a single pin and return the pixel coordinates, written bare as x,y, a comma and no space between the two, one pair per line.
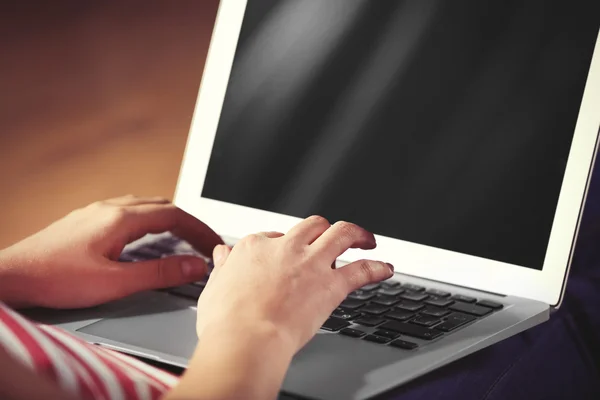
264,300
286,282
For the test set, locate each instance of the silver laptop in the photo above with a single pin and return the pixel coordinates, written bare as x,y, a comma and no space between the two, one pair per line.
462,135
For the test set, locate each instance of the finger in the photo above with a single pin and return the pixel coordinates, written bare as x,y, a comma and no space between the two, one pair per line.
342,236
271,234
308,230
131,200
159,273
157,218
360,273
220,254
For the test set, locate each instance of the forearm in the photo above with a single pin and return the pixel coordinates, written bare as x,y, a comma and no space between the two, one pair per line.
235,363
17,382
8,278
13,282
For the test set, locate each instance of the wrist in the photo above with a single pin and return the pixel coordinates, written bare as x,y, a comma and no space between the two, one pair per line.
255,331
234,360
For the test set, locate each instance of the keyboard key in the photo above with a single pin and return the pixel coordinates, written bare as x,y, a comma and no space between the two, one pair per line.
399,315
403,344
454,321
472,309
460,317
169,241
374,309
425,320
411,330
164,247
361,295
435,312
369,321
202,283
154,250
391,291
136,256
370,286
126,257
385,300
344,314
387,334
377,339
414,296
438,293
464,299
390,284
490,304
410,306
352,332
188,291
351,304
414,288
438,301
334,324
188,252
146,253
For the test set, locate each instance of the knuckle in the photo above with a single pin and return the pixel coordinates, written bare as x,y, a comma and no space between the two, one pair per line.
365,271
78,212
160,271
98,204
345,228
97,209
317,219
118,214
251,240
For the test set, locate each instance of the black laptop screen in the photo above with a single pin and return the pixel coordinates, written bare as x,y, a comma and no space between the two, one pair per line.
444,123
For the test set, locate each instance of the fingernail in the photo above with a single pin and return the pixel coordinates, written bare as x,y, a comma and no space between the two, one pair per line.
391,267
192,268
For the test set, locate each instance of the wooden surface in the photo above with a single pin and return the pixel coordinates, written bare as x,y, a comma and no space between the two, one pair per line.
95,101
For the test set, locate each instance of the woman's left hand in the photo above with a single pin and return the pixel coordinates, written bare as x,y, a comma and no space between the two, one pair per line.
73,263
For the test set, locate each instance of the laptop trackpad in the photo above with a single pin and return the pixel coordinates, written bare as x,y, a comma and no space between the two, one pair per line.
166,325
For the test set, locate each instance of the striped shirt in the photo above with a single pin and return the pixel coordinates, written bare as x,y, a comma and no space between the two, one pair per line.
85,370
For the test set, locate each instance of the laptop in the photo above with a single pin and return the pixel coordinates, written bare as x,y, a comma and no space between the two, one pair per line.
463,134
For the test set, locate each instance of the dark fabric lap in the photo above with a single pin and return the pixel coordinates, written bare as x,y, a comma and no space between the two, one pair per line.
554,360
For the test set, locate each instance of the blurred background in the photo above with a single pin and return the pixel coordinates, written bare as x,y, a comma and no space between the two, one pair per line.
96,99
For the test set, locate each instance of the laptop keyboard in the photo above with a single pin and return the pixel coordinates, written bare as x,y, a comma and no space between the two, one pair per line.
395,314
391,313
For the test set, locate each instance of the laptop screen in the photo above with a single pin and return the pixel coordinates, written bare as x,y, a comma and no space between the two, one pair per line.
446,124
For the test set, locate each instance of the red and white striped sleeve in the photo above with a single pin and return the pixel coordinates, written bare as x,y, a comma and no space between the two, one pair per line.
85,370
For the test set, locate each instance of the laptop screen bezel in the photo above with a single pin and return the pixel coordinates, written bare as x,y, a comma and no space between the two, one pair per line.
232,220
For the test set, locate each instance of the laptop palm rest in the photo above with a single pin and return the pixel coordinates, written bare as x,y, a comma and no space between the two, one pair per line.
166,325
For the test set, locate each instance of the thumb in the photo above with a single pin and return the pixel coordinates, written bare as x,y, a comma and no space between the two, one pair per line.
163,272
